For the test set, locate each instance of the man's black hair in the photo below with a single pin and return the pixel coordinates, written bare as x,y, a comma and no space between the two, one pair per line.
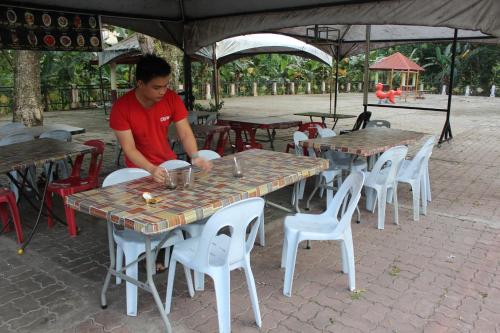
150,67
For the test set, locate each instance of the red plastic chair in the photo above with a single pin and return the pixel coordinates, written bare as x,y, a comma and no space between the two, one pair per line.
76,183
8,202
311,131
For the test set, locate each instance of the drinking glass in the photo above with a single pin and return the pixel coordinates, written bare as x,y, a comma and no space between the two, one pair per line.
237,167
170,179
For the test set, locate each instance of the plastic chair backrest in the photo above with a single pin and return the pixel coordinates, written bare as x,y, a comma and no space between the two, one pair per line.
379,174
326,133
378,123
237,217
310,128
95,161
174,164
11,126
350,190
211,119
361,121
124,175
16,138
299,150
60,135
415,166
208,154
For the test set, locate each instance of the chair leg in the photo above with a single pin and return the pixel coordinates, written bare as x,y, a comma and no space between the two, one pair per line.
343,251
170,284
131,289
16,220
189,281
291,256
119,262
222,294
4,215
395,203
70,220
262,232
349,249
284,252
423,196
167,256
416,200
252,290
381,198
48,204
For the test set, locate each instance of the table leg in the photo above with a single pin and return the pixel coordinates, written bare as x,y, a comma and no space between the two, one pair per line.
112,265
271,137
150,267
37,221
335,122
323,121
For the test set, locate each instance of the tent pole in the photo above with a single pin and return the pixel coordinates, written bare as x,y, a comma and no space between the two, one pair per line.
367,63
215,74
446,134
337,59
188,83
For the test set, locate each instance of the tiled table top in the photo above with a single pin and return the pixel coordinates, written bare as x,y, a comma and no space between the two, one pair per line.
36,131
262,122
325,115
366,142
37,152
265,172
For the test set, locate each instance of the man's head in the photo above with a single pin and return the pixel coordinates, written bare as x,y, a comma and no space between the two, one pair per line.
152,75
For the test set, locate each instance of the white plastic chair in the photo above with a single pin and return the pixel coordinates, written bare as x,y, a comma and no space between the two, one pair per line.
216,254
208,154
10,127
61,167
325,226
174,164
413,173
131,243
326,177
31,174
378,123
383,178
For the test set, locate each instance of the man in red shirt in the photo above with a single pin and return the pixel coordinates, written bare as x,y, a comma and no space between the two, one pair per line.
140,120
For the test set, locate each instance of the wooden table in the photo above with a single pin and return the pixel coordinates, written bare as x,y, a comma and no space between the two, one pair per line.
365,142
20,156
250,125
323,116
122,204
36,131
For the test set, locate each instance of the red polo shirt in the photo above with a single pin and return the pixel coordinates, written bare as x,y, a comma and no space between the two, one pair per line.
149,126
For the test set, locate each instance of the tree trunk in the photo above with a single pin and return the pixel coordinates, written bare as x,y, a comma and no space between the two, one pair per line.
173,56
28,106
146,43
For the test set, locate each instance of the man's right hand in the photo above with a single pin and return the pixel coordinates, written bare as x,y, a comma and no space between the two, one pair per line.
158,174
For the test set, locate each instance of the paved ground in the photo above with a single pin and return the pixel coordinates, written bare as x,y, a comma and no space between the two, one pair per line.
441,274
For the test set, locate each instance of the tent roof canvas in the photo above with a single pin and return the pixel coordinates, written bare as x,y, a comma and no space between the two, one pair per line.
396,61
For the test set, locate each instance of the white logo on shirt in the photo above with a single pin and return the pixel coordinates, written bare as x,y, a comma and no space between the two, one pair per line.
164,119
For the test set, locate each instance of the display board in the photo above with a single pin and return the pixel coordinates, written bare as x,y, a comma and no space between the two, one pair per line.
46,30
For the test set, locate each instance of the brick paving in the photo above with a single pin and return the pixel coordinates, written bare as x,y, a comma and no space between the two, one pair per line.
441,274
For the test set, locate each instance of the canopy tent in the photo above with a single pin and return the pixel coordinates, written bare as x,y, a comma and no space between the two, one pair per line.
194,24
399,63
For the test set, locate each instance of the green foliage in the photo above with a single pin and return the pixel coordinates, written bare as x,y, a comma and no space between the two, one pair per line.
212,107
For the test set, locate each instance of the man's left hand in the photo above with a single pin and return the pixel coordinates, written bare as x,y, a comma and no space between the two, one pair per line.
202,163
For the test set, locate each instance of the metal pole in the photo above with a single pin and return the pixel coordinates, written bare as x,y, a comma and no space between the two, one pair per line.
188,83
367,64
215,74
446,133
337,59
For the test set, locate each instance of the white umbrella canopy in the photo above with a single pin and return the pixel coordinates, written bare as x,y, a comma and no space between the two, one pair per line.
236,47
193,24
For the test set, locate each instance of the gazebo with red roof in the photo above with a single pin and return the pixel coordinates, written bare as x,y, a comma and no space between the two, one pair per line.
397,62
